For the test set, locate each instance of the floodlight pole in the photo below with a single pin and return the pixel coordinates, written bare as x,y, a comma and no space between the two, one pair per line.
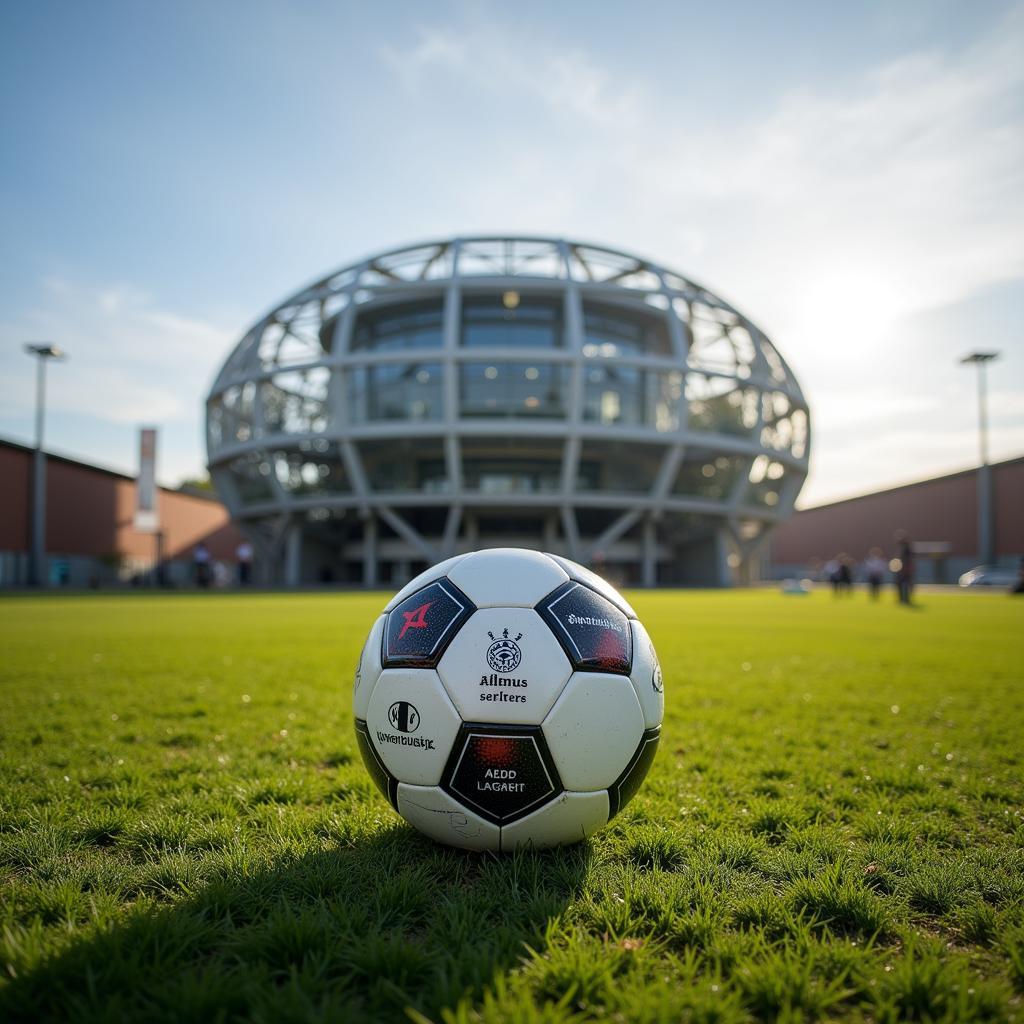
986,546
37,557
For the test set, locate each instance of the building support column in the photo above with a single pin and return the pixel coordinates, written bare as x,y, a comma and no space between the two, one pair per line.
723,571
370,563
449,540
471,529
293,555
649,567
550,531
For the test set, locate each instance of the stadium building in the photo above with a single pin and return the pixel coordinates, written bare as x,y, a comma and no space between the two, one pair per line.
506,391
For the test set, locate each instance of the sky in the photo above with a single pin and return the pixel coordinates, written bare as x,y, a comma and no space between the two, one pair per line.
849,176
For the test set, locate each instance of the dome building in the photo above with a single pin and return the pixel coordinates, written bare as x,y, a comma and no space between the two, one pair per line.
524,392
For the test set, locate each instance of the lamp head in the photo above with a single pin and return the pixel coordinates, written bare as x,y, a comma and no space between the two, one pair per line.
979,357
45,350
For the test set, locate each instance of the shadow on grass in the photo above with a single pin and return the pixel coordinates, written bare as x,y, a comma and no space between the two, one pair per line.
358,933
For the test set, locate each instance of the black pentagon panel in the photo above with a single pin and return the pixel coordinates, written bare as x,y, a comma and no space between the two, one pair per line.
420,628
502,772
594,633
384,780
625,786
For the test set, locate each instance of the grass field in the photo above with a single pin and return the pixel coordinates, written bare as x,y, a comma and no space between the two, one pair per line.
832,829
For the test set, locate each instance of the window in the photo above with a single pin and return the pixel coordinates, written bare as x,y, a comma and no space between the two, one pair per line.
396,391
316,468
785,427
613,394
519,390
296,402
707,476
618,467
766,479
512,465
231,416
628,396
611,331
403,465
512,320
719,406
412,325
251,477
666,394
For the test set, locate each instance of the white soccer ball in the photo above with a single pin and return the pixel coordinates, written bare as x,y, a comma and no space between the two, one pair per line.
508,698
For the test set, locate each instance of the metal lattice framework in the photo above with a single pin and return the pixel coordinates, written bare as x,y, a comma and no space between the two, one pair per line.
666,409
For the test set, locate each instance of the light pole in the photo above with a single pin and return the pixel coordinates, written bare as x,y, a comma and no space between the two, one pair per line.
37,561
986,549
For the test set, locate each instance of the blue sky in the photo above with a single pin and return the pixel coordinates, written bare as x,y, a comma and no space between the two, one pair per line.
851,176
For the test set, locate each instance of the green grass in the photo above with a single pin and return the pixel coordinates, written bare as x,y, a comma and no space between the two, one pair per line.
832,829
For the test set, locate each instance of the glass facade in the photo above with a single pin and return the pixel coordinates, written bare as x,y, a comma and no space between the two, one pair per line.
512,465
511,319
785,428
765,482
618,467
315,468
708,476
630,396
518,390
296,402
251,477
401,465
230,418
612,331
614,395
719,405
407,326
395,391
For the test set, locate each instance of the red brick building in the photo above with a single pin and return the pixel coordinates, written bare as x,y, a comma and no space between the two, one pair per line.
940,516
90,536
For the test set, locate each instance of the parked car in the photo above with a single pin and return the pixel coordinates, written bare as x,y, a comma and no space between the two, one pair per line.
988,576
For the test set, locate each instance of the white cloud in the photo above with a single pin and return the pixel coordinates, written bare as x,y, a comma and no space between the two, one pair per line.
130,362
126,354
520,65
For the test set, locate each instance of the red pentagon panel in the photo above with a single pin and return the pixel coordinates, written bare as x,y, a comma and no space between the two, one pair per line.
594,633
420,628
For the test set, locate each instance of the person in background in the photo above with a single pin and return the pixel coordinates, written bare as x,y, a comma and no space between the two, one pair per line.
243,554
904,568
874,572
830,570
201,564
1018,587
844,574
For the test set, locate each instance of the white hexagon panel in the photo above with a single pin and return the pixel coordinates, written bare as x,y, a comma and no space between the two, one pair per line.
504,666
439,816
593,730
566,819
507,577
412,724
646,677
368,669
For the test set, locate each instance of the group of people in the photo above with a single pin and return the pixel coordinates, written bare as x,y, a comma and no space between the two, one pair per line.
210,573
840,571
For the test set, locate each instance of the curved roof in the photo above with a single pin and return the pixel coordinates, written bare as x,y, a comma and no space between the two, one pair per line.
292,334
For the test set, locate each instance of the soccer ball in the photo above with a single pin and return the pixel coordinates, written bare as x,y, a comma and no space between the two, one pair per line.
508,698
